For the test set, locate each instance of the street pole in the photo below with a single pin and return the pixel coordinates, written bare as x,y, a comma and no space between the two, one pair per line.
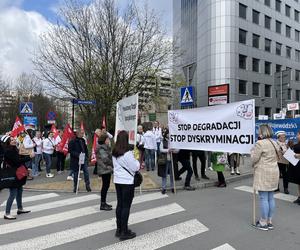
73,112
281,82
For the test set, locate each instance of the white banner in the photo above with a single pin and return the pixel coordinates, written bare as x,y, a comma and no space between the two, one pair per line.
127,117
222,128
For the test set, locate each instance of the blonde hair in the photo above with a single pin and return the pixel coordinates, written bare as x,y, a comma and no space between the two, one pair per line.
265,131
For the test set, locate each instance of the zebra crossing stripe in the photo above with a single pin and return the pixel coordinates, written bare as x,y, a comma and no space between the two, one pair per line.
88,230
224,247
279,196
62,203
72,214
34,198
162,237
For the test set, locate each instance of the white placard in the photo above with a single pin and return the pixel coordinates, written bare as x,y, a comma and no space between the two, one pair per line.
81,158
263,117
217,100
221,128
290,156
127,117
293,106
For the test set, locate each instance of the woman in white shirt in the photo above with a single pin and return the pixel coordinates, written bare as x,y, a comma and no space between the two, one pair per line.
38,153
125,166
48,149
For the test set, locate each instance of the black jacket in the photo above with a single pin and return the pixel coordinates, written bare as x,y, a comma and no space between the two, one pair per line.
13,160
77,146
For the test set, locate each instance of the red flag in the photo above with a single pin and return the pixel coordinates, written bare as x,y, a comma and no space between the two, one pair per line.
93,154
17,128
103,121
54,131
67,136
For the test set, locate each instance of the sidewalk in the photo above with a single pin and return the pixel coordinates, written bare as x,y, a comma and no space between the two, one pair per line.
151,181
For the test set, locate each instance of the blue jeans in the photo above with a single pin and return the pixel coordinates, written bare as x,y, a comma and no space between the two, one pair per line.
158,147
267,204
35,165
14,193
150,159
48,159
85,170
164,179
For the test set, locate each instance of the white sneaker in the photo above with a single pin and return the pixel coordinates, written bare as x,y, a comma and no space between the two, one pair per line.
50,175
211,169
59,172
9,217
69,178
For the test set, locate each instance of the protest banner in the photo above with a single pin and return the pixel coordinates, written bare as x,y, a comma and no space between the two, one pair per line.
221,128
17,128
290,126
127,117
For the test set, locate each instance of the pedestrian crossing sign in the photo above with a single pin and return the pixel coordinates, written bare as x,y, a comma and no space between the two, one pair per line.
26,108
186,97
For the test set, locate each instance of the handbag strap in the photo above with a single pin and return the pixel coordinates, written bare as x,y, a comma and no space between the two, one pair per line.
126,169
274,149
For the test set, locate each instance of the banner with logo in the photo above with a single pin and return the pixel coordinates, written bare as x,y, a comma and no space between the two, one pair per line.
290,126
127,117
221,128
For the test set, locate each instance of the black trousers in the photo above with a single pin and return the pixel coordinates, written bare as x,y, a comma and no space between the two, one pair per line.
175,164
125,194
283,168
105,186
60,163
221,178
186,166
201,155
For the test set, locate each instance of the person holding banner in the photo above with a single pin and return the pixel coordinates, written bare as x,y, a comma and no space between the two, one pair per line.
76,147
125,166
104,168
184,158
265,155
283,164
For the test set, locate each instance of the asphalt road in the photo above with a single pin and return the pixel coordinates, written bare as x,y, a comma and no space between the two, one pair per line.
203,219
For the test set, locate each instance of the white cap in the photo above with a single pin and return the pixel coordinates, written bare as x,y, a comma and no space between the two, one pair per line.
279,133
4,138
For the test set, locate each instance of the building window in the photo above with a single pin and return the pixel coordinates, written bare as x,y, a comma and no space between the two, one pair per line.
287,10
297,35
242,61
278,27
255,89
257,111
255,41
255,16
288,51
296,15
297,95
242,11
278,5
278,68
242,36
278,49
255,64
268,112
268,44
297,75
268,90
242,87
289,94
267,3
297,55
288,31
268,68
267,22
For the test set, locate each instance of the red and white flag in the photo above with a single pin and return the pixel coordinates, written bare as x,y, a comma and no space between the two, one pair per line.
67,136
54,130
17,128
93,154
103,122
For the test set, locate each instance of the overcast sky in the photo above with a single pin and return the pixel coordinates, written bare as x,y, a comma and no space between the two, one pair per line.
22,21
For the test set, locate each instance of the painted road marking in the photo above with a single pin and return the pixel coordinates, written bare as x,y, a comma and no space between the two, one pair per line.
34,198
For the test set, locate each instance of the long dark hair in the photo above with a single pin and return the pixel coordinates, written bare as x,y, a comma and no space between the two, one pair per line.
122,146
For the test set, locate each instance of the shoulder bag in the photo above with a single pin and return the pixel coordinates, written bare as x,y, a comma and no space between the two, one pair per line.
278,157
137,177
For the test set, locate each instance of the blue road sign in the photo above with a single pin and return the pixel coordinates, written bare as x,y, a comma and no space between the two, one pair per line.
26,108
30,120
84,102
187,96
51,115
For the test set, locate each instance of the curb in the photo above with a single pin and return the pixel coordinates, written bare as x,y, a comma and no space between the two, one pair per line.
230,179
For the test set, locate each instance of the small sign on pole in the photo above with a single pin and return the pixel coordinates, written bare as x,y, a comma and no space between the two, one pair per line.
293,106
26,108
263,117
187,96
